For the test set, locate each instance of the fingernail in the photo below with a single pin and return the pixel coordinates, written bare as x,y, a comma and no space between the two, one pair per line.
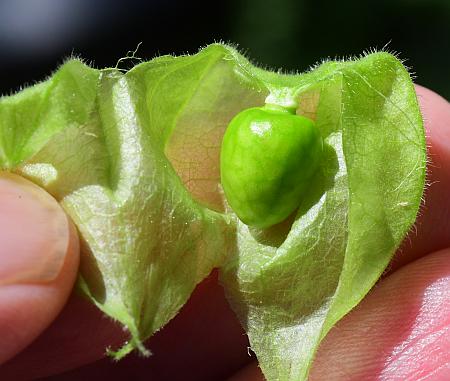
34,232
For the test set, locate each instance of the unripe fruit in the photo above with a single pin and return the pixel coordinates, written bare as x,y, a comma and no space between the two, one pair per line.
268,158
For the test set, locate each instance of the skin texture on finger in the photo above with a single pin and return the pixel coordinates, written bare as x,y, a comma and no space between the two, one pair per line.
400,331
203,342
431,232
39,250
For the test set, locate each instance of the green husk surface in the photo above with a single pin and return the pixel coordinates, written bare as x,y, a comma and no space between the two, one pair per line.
134,160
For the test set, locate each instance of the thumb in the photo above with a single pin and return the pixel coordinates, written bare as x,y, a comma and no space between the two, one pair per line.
38,262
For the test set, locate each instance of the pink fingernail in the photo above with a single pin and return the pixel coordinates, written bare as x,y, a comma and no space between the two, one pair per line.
34,232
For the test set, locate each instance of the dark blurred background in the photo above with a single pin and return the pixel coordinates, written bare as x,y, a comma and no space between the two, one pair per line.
37,35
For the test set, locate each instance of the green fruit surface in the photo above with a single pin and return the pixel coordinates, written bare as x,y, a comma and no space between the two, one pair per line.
267,160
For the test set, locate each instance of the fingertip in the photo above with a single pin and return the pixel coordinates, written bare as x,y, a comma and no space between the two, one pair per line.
39,257
436,115
399,331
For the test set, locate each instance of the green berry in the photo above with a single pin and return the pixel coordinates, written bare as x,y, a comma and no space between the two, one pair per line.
268,158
